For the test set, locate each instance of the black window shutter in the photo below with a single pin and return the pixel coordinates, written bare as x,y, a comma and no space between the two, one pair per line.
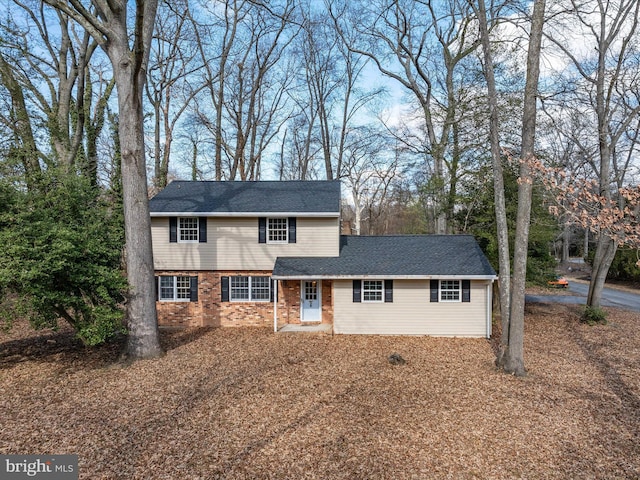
466,290
202,229
388,291
262,230
357,290
434,291
292,229
173,229
224,289
157,281
193,289
271,293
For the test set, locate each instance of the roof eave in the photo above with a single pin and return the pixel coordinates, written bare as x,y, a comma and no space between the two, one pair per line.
385,277
245,214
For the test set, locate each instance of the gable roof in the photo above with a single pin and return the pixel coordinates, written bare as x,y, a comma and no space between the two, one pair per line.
212,198
389,256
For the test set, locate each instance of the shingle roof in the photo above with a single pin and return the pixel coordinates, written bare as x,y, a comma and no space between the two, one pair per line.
220,198
393,256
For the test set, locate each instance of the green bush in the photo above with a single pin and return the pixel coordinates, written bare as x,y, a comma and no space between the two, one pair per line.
594,315
60,257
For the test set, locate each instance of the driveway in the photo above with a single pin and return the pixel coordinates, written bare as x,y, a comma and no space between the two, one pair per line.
611,297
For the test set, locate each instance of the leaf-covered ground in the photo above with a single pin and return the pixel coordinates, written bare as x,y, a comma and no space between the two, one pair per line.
248,404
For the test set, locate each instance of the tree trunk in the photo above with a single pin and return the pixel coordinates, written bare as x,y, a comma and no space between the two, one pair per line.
566,241
605,253
129,68
143,341
513,360
504,256
25,144
585,248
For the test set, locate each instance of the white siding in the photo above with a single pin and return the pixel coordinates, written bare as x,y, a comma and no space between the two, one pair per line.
232,244
411,312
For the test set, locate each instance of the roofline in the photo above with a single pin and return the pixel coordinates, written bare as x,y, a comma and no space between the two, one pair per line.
244,214
385,277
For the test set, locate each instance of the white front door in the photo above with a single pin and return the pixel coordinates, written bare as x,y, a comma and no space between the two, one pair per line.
310,310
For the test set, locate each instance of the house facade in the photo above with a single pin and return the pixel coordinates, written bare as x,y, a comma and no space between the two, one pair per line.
271,254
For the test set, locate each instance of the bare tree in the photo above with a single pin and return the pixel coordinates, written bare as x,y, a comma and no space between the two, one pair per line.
330,92
428,42
246,77
108,24
604,81
368,172
50,75
171,65
511,355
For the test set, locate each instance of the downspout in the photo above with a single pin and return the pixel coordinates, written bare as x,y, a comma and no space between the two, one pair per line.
489,307
275,306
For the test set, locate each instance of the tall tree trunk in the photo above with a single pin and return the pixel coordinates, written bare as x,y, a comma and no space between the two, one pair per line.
504,256
143,341
513,360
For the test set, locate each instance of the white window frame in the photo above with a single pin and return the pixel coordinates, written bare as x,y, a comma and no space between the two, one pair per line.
180,286
251,289
278,229
450,289
189,230
372,287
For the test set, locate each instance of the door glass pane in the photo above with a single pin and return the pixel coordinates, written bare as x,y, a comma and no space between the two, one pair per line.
310,291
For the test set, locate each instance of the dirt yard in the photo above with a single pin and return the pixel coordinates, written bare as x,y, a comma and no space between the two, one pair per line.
248,404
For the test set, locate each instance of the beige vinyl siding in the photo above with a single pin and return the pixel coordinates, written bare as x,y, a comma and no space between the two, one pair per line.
232,244
411,312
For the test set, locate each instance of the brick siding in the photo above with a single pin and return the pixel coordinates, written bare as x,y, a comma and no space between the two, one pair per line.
210,310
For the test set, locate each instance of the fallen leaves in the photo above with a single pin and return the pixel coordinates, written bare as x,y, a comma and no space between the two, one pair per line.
247,403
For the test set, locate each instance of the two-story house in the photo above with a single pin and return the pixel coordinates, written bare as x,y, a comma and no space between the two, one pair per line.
271,254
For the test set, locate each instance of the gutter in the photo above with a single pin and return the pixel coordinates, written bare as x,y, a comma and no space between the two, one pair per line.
385,277
246,214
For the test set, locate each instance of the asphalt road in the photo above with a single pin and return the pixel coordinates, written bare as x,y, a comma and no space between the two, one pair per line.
610,297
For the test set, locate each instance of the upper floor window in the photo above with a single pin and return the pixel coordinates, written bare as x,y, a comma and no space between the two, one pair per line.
277,230
188,229
450,290
372,290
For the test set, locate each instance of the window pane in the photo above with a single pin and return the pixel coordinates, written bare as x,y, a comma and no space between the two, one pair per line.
311,290
183,289
372,291
260,288
166,288
188,229
239,288
277,229
450,290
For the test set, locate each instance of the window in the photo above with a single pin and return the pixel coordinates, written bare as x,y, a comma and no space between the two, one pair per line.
177,289
250,289
372,290
188,229
449,290
277,230
260,289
